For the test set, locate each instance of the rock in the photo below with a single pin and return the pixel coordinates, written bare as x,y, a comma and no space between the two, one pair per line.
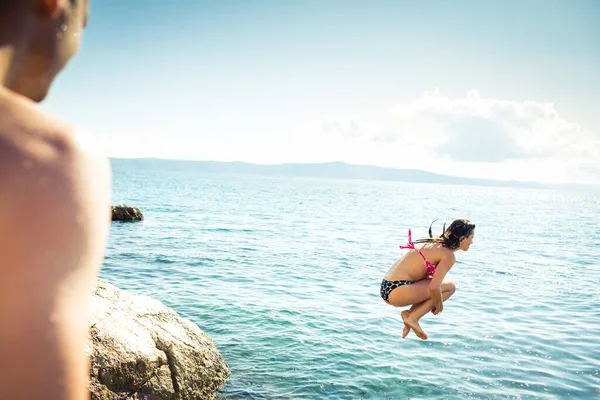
126,213
140,349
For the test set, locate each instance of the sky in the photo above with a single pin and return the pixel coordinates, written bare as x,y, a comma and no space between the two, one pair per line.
505,89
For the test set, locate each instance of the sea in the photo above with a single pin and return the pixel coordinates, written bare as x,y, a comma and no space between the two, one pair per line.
283,274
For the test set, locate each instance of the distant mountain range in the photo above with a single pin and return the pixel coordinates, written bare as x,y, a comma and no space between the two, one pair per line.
333,170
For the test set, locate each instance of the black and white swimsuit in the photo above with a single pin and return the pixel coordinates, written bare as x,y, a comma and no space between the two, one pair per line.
388,286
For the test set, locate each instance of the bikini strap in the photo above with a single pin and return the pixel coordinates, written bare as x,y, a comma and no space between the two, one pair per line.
411,245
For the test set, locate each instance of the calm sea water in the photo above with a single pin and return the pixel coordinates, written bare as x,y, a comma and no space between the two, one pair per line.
284,274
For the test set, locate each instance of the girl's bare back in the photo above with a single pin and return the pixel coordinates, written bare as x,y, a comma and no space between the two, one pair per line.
411,265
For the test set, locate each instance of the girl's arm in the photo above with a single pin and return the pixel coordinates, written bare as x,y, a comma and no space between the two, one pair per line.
435,286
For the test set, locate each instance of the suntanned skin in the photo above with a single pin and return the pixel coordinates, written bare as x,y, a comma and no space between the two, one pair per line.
54,209
424,294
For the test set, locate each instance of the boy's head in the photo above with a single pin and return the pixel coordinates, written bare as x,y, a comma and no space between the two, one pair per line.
41,36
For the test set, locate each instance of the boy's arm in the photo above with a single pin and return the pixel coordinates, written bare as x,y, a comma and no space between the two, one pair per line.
54,220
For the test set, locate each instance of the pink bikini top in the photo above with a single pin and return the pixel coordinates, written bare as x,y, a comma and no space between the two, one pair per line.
411,245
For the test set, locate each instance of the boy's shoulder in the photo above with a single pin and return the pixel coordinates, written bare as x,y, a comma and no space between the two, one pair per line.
35,145
45,164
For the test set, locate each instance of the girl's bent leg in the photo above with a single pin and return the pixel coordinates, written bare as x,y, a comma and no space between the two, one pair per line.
416,293
410,294
412,320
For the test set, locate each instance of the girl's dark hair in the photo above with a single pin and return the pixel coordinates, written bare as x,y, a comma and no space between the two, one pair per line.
450,238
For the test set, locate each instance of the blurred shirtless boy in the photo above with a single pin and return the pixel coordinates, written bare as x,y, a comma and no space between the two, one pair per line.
54,209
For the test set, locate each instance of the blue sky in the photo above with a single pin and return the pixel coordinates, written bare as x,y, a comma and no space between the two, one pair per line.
497,89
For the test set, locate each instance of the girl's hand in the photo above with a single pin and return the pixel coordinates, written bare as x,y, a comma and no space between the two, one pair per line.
437,310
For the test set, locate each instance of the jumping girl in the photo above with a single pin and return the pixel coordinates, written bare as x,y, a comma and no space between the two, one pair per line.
417,278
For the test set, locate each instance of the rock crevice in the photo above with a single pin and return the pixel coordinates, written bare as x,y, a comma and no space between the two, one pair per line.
171,363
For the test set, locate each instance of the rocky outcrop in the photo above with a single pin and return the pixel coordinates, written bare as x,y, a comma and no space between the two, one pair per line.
126,213
140,349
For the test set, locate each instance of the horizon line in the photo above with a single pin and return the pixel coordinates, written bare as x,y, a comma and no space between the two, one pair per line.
490,180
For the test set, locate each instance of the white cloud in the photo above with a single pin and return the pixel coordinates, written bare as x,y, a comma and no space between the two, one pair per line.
473,128
479,139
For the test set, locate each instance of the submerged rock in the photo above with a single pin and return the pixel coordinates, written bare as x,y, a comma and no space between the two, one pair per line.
140,349
126,213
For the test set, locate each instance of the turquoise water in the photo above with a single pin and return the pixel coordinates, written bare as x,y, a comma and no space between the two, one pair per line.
284,274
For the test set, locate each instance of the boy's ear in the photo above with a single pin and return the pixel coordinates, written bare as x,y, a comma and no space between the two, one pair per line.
48,9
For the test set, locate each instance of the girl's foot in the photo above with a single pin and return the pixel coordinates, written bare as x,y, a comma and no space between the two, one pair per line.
414,325
404,314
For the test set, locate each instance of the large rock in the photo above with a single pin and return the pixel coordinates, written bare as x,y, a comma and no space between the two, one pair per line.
140,349
126,213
